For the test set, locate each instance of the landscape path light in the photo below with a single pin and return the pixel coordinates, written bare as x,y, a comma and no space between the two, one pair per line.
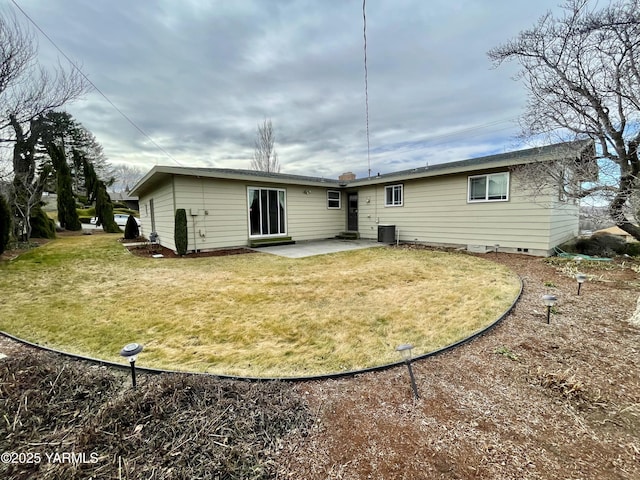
581,278
549,301
496,247
405,351
130,351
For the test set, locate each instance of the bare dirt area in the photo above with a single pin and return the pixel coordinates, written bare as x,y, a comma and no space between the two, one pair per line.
527,400
150,251
16,250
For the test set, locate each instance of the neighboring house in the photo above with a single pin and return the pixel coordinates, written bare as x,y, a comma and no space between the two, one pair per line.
616,231
130,201
474,204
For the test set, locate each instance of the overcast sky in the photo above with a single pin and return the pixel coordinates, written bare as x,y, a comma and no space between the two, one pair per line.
199,75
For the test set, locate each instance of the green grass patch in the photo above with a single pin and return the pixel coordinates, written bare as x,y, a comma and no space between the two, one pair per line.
126,211
255,314
86,212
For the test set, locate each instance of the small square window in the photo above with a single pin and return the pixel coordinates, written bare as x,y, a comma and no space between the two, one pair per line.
333,200
393,196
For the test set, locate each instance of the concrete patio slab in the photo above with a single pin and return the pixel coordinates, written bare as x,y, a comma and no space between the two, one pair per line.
318,247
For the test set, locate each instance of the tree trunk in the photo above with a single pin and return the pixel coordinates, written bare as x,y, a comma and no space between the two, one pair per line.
26,191
617,206
629,171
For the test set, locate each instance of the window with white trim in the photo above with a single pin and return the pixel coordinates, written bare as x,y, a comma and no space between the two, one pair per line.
333,200
492,187
267,211
393,195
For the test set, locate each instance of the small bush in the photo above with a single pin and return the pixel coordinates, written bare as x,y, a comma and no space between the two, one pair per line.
604,245
633,249
41,225
131,230
180,231
505,351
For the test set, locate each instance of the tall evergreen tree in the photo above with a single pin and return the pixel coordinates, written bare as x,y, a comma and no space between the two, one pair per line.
73,136
97,191
5,224
67,213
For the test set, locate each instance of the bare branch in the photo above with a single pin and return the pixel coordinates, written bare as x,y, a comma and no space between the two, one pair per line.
28,90
126,176
265,158
582,73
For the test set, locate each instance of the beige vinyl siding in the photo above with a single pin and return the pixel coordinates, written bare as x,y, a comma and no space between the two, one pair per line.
220,209
564,222
164,212
436,211
308,215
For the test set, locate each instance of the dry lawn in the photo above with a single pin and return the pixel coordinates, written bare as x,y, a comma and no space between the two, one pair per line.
525,401
253,314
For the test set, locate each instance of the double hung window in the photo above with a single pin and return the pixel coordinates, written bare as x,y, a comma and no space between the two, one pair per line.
333,199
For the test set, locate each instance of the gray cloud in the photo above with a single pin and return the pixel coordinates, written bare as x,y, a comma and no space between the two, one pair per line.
199,75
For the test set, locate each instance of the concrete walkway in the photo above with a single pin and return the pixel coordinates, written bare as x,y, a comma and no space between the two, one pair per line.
318,247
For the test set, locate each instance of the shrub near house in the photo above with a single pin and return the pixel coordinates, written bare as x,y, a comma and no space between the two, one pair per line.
181,231
131,229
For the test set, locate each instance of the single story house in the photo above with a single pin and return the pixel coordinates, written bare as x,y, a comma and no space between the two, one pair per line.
131,202
617,232
475,204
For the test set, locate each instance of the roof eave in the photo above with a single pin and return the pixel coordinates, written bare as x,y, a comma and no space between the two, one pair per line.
572,150
146,182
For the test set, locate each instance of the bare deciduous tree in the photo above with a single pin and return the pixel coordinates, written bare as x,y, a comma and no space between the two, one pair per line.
265,158
582,73
125,177
27,91
25,195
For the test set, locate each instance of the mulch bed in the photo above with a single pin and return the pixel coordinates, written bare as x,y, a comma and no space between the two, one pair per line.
525,401
149,251
170,427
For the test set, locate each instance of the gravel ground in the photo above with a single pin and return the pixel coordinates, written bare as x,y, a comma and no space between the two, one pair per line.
525,401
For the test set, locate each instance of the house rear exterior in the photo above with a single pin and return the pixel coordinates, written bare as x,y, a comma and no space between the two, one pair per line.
474,204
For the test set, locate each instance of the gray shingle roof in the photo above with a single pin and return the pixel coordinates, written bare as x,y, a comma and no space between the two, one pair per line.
549,152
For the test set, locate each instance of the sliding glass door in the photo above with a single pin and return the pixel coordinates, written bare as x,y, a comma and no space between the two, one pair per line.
267,211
